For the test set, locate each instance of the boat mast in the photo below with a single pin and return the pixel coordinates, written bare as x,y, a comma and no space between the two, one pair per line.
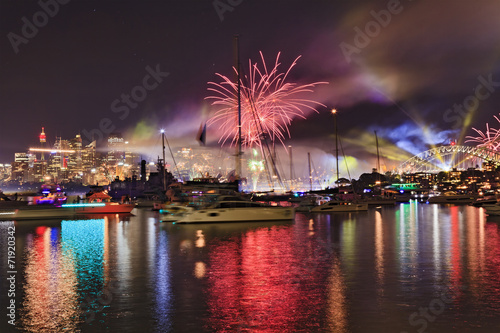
378,159
310,174
164,163
378,155
291,167
334,112
238,152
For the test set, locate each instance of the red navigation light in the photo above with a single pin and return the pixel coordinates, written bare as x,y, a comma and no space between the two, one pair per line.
452,143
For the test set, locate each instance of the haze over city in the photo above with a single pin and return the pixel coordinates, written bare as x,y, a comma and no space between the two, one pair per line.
420,73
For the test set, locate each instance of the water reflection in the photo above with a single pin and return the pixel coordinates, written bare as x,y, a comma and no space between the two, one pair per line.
337,306
329,272
51,285
161,274
379,248
271,279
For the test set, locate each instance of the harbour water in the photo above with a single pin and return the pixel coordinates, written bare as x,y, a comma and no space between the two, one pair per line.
408,268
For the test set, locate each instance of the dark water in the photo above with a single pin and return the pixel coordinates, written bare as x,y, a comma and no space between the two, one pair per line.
408,268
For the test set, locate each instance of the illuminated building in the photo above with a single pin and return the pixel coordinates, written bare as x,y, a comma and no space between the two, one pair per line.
75,159
58,164
116,148
43,140
20,167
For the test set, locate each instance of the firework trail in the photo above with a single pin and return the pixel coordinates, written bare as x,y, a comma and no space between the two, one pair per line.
268,104
489,139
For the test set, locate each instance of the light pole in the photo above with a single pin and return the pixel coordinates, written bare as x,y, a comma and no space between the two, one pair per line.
334,112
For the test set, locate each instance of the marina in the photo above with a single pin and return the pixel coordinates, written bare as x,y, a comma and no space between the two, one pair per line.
330,272
250,166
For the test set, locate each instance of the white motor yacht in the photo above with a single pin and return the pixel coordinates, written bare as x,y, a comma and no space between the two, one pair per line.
451,198
234,209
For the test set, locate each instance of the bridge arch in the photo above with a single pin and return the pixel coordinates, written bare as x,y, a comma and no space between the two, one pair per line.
448,157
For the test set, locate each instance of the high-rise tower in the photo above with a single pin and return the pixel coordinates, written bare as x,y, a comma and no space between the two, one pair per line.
43,139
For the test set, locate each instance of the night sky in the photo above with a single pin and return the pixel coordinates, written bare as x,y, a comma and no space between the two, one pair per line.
401,76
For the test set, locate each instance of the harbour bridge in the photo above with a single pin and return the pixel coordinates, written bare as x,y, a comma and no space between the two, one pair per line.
449,157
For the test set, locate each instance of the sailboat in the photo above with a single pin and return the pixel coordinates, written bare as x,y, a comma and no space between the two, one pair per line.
339,202
377,200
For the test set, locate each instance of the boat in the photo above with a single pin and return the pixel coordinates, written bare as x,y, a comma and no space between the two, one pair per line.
451,197
8,203
340,206
97,203
174,212
492,209
37,212
51,195
100,203
310,201
231,209
489,198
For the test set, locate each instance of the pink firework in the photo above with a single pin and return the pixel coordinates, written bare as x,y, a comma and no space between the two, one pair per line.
489,139
268,104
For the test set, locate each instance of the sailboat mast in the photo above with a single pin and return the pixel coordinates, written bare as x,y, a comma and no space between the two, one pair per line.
378,155
310,173
238,152
164,162
334,112
291,167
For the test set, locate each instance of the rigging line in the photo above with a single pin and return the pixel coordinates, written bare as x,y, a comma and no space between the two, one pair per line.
279,165
260,130
316,173
173,158
345,159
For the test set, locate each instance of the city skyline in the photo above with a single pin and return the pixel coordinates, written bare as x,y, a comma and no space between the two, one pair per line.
418,73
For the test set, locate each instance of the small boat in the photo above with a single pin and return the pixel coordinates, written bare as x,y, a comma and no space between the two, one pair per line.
310,201
340,206
174,212
485,199
51,195
451,198
37,212
492,209
100,203
235,209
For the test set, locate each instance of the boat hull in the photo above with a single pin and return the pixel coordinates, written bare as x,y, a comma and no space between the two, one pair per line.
344,207
492,209
108,208
239,215
39,212
451,199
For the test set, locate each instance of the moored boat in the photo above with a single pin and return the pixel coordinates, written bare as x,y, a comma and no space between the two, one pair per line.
100,203
37,212
310,201
234,209
492,209
340,206
451,198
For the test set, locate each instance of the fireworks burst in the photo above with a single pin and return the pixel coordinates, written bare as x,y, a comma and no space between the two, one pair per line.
268,104
489,139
